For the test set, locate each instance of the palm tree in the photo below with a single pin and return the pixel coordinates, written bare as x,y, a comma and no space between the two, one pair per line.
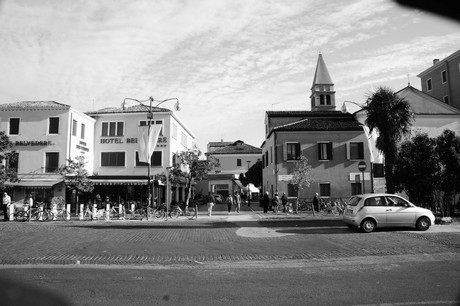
392,117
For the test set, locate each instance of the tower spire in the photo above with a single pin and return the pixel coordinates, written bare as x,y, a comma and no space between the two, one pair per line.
322,90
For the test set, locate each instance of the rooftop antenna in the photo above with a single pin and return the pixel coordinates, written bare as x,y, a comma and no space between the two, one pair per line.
408,80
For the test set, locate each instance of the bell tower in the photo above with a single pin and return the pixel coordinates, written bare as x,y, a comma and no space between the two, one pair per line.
322,96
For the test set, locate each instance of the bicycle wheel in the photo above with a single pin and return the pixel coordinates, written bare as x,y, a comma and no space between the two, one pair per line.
174,213
138,214
158,213
20,216
190,213
323,212
335,211
65,215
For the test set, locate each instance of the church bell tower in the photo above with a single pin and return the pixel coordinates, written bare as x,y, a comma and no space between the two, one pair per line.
322,96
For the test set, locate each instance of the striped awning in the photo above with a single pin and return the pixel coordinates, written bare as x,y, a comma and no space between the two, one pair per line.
38,184
127,182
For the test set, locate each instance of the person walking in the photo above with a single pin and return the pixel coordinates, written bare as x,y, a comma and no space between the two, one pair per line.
276,202
229,202
210,204
237,201
6,206
266,202
284,201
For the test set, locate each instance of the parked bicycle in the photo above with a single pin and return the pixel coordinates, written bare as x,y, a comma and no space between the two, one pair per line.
117,212
304,206
140,213
161,212
35,213
62,213
88,213
188,212
329,208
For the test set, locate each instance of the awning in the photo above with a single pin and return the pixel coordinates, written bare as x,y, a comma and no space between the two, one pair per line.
39,184
120,182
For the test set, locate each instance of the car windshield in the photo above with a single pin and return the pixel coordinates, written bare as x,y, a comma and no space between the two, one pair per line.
354,201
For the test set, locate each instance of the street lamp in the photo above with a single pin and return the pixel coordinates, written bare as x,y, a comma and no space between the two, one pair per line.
177,107
344,107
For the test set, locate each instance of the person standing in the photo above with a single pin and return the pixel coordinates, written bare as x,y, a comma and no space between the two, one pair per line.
6,206
316,201
237,201
210,204
266,202
284,201
229,202
276,202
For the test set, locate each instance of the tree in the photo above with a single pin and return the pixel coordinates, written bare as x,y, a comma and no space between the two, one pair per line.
448,151
416,169
254,174
76,176
392,116
301,178
190,168
7,173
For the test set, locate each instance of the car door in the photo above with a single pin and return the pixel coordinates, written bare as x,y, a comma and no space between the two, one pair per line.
375,207
399,212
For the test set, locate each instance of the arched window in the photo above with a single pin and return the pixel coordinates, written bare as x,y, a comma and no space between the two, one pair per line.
321,99
328,99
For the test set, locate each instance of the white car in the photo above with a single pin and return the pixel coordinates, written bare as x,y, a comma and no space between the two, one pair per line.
372,210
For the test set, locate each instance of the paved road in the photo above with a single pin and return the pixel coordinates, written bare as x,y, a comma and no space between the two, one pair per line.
248,236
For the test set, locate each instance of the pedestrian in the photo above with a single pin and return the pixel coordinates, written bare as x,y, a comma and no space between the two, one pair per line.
284,201
30,201
237,201
316,201
6,206
104,205
98,201
229,202
266,202
210,204
249,198
275,203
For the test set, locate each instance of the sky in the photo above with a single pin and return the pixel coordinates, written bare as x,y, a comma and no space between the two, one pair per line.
227,61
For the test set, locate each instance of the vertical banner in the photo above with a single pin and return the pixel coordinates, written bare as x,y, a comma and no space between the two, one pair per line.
148,141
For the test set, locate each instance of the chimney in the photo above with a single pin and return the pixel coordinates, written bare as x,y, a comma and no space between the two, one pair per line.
435,61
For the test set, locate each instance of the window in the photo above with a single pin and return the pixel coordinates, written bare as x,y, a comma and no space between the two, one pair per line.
444,76
53,125
377,169
183,139
238,162
14,126
355,150
328,99
429,86
266,158
112,159
174,131
83,129
51,161
155,160
356,188
74,127
321,99
292,151
292,190
324,150
153,122
112,128
325,190
446,99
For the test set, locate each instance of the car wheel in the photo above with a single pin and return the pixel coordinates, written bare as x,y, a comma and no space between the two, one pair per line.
368,225
423,224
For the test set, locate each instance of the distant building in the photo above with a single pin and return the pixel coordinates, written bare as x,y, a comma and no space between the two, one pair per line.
234,158
442,79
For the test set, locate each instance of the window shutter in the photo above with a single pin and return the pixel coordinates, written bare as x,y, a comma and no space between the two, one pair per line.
284,151
319,150
348,150
297,150
329,151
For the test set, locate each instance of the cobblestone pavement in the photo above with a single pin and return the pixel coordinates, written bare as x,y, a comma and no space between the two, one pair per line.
250,236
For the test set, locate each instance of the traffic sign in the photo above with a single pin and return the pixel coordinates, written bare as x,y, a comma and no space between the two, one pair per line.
362,166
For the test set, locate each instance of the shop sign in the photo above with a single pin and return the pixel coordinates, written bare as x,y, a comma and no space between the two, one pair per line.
33,143
128,140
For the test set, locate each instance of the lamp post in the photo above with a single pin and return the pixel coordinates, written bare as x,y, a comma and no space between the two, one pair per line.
177,107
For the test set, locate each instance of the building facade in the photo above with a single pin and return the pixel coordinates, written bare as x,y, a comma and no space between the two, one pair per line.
45,134
333,142
442,80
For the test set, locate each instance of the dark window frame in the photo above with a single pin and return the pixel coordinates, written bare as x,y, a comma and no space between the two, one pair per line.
51,162
113,159
53,125
14,124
